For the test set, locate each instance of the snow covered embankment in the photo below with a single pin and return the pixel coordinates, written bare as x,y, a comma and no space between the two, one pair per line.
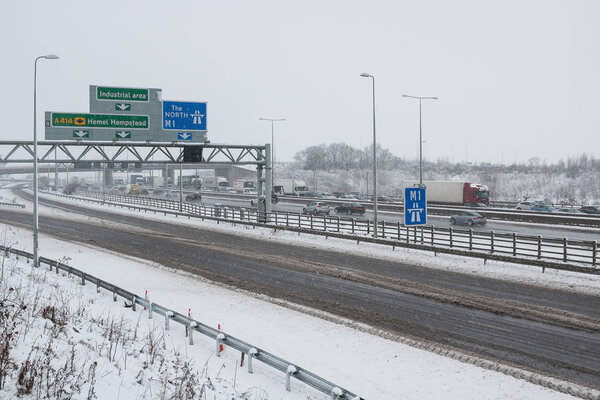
57,341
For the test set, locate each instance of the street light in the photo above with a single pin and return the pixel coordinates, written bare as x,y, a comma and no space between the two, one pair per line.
420,134
35,159
272,149
365,75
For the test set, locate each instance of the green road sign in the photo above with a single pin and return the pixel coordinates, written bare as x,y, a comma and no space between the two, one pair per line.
123,135
116,94
122,107
100,121
81,134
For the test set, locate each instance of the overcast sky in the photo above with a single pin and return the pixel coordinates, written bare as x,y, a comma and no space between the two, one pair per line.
515,79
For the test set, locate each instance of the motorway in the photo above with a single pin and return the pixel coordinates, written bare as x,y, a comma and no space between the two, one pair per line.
520,228
553,332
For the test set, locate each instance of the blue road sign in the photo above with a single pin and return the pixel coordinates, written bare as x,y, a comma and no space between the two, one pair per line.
415,207
184,136
184,116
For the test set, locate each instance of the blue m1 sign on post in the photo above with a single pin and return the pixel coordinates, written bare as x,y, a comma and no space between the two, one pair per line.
415,206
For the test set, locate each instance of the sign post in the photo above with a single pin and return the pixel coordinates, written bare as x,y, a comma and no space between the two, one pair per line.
415,206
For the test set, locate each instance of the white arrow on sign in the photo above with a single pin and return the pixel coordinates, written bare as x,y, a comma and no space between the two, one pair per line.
81,133
123,106
185,136
123,134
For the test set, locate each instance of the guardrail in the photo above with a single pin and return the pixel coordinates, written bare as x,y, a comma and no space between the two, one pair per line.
291,370
556,253
16,205
587,220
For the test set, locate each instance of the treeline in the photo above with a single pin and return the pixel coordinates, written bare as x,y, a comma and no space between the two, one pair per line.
341,167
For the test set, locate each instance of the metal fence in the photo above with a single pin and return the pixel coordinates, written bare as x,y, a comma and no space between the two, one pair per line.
220,337
557,253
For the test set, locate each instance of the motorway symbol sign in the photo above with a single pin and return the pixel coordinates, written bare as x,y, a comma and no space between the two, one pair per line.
81,134
100,121
183,115
123,135
184,136
415,206
122,107
116,94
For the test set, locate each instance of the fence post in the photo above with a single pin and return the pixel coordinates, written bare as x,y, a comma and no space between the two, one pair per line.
193,324
565,249
422,234
168,316
338,223
287,218
407,235
220,338
539,247
450,236
311,222
383,229
354,222
514,236
133,303
432,234
399,230
415,235
251,353
368,227
492,242
288,373
594,250
470,239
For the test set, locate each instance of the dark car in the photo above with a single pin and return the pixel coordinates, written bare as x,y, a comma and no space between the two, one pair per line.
350,208
468,218
476,205
193,197
590,209
384,199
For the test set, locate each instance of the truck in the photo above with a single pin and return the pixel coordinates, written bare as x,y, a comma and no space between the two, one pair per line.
243,185
190,182
291,187
459,193
214,183
135,179
156,181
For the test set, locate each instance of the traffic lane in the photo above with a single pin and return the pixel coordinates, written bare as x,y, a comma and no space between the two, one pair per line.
520,228
497,290
550,349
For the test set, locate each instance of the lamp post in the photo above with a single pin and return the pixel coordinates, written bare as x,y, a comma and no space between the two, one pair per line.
365,75
273,120
420,134
35,160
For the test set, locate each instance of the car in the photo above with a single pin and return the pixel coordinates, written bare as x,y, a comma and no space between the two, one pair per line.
468,218
328,196
196,196
569,210
590,209
542,207
476,205
348,197
384,199
524,205
316,207
172,194
350,208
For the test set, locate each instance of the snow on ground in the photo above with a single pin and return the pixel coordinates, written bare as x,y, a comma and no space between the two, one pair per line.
371,366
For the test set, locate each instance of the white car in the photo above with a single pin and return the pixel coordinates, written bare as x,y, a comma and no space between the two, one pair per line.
524,205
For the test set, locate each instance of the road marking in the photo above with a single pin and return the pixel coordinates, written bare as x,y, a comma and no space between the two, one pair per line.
490,326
